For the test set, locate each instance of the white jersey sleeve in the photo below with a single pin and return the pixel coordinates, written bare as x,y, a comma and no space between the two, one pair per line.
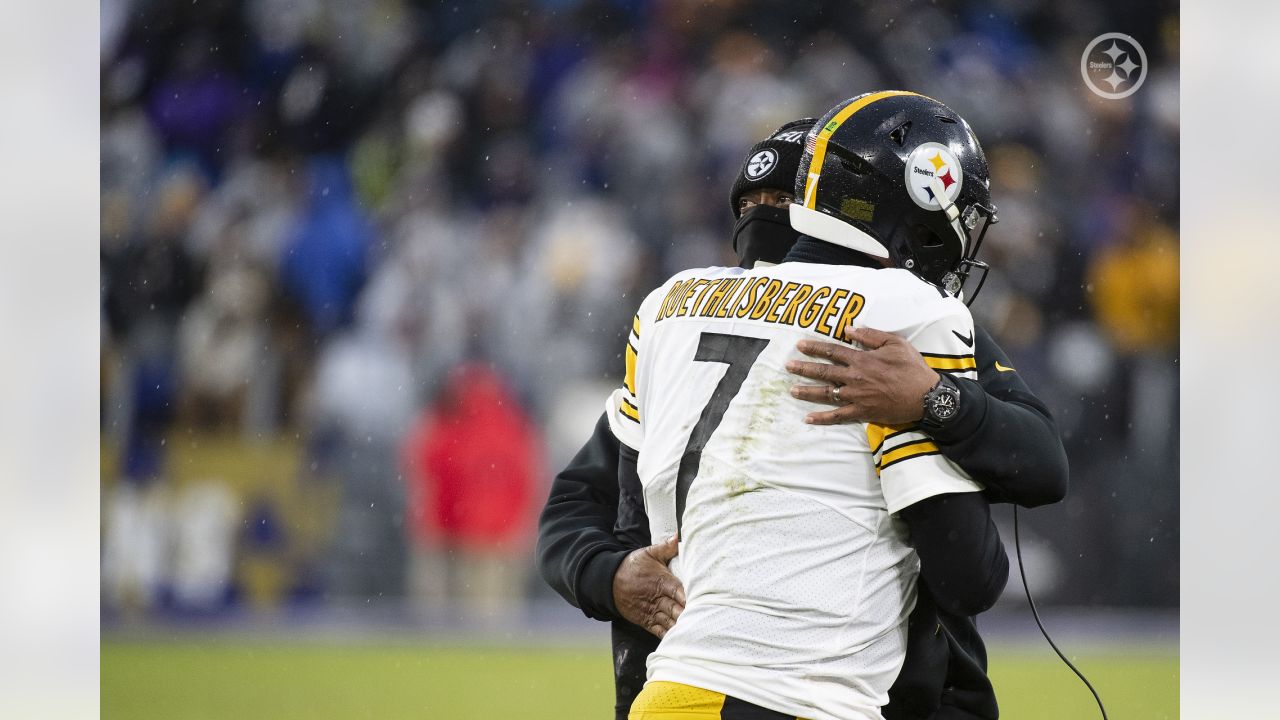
910,466
623,405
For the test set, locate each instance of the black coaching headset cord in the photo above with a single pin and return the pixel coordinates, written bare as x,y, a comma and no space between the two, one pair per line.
1017,546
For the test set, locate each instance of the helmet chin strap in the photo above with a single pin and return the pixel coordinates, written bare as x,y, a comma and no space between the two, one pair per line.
952,283
953,212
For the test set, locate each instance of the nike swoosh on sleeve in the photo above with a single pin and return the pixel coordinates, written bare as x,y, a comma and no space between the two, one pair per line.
968,341
999,367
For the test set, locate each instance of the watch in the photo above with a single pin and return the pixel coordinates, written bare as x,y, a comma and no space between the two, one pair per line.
941,403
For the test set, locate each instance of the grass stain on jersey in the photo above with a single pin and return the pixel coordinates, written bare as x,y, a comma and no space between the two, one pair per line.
760,429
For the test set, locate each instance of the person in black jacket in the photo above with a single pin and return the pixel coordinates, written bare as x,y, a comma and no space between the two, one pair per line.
597,556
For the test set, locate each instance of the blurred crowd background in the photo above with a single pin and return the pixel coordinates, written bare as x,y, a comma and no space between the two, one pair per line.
367,269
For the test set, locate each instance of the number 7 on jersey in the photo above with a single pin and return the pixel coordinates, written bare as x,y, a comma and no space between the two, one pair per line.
739,353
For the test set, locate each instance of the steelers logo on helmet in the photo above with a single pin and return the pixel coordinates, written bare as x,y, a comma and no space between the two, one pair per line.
761,163
928,162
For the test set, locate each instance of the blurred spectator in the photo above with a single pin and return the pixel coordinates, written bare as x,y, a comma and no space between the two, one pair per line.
198,101
135,548
223,341
325,259
205,516
363,402
564,319
473,465
1135,295
1135,286
150,280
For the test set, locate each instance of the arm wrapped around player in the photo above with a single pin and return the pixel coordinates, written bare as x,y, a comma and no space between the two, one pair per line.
1000,433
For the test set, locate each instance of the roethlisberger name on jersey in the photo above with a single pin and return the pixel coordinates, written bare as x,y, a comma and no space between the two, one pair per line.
823,309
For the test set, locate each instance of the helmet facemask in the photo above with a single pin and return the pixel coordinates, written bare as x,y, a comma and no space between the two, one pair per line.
974,214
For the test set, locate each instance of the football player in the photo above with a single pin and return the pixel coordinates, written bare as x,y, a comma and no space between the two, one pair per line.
580,556
800,545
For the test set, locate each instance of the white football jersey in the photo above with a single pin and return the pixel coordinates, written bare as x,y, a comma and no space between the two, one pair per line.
799,576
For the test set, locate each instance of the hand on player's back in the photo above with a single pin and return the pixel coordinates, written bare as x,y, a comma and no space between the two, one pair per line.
645,591
885,383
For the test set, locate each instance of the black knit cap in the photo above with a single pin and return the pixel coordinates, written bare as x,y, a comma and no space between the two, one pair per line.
773,162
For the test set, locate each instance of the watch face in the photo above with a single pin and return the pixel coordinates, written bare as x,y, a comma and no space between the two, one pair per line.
943,405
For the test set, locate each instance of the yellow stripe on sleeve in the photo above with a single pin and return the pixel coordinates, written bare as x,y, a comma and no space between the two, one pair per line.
906,451
630,410
635,325
950,363
876,433
630,379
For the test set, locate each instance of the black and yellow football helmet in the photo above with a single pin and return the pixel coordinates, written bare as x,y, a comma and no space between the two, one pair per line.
898,175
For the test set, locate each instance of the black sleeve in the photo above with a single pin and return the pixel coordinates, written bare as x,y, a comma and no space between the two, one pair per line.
962,560
917,692
633,522
944,674
1003,435
577,552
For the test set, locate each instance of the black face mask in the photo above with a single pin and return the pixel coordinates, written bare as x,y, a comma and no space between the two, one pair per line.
763,232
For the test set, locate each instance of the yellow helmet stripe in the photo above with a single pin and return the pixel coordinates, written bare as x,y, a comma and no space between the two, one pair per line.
820,144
